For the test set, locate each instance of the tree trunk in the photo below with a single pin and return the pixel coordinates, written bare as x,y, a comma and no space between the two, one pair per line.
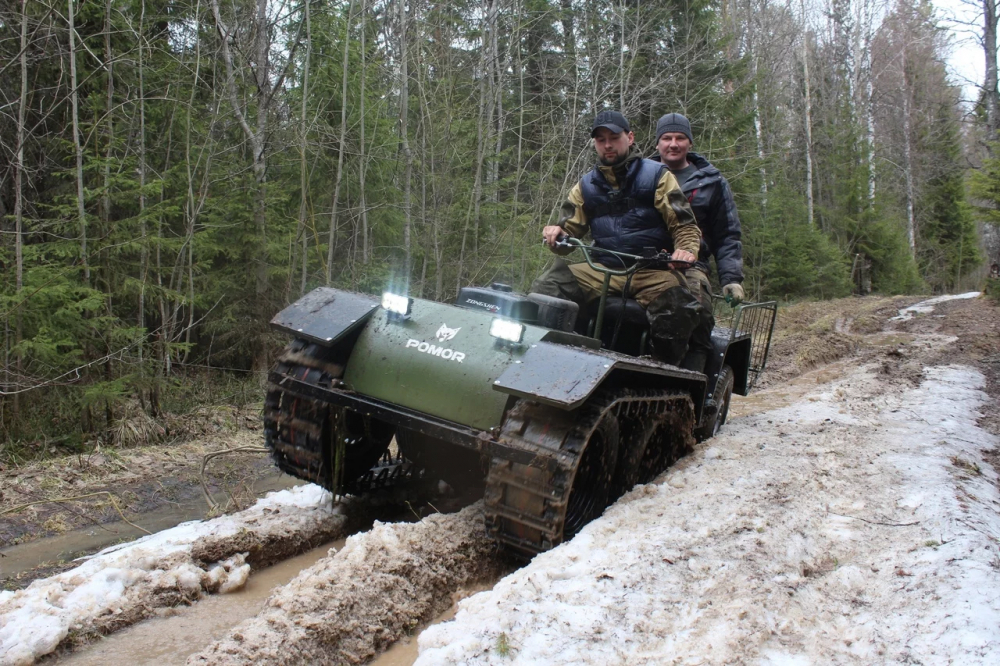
19,199
404,130
808,117
260,162
911,231
869,104
498,90
473,212
144,251
257,139
992,96
363,166
78,149
303,180
341,141
109,131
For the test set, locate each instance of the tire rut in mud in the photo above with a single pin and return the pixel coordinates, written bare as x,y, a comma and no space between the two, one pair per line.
351,606
175,567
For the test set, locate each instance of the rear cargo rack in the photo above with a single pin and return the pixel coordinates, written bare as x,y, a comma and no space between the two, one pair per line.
756,319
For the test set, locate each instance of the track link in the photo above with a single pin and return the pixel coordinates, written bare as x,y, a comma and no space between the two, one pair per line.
300,432
530,507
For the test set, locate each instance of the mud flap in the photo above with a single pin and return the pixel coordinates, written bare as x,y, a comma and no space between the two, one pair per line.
325,315
554,374
565,377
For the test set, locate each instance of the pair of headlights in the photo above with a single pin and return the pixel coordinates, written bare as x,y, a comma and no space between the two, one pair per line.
502,329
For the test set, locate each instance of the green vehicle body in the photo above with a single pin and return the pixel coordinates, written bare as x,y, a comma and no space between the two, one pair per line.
460,400
404,362
469,378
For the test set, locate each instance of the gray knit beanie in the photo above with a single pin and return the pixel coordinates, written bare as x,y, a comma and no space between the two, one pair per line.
673,122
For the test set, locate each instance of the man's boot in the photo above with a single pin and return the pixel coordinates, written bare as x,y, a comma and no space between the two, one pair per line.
673,316
694,360
700,345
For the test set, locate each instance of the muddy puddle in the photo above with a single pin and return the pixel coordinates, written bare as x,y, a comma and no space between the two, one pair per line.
56,550
788,393
404,653
178,632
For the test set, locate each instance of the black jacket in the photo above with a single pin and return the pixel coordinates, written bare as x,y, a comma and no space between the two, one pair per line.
626,219
711,199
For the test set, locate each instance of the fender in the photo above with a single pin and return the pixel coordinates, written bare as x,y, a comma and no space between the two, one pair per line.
565,377
731,350
326,315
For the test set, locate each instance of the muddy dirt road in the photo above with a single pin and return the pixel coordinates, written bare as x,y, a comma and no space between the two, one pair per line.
848,513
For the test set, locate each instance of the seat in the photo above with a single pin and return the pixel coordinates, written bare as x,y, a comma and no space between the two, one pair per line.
633,335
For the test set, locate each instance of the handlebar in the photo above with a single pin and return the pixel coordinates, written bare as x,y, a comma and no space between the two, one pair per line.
567,242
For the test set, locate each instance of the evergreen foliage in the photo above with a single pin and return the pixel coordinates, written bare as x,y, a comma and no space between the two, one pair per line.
216,191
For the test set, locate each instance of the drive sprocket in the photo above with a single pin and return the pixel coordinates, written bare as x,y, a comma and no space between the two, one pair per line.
302,432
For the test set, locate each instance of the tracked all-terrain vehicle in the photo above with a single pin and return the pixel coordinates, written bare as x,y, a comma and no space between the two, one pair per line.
553,413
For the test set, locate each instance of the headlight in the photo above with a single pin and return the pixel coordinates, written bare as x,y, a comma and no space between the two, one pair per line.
511,331
396,304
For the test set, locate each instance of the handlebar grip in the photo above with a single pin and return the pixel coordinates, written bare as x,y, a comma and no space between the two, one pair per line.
561,242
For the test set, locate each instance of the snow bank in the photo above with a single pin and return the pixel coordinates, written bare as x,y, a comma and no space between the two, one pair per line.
124,583
925,307
350,606
856,526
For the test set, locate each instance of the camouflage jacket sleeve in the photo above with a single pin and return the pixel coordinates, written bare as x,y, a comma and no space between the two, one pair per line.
573,219
677,214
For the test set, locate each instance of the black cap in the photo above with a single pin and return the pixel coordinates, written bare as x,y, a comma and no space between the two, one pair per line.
612,120
673,122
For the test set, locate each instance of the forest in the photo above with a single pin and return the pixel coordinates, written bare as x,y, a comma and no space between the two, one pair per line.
173,172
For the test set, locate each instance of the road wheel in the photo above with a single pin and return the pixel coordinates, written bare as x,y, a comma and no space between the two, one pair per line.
594,476
633,451
722,397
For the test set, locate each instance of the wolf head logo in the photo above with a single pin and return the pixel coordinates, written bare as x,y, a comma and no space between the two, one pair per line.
444,334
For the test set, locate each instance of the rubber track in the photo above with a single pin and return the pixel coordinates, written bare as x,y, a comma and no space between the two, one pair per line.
526,504
296,428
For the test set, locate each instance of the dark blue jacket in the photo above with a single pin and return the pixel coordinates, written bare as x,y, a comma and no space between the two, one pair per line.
626,220
712,201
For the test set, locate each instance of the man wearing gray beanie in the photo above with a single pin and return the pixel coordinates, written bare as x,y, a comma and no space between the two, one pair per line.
711,198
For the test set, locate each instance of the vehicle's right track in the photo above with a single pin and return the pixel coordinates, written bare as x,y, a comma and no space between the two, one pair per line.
531,507
300,431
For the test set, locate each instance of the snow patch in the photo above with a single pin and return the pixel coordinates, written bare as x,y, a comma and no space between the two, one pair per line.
860,532
123,582
925,307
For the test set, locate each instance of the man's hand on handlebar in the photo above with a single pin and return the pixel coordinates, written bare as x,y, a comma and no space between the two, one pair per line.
682,255
551,235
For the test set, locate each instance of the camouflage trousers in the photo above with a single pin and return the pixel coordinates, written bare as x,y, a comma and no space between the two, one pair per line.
701,338
673,312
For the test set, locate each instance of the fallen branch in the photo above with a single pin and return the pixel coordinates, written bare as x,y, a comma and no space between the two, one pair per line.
874,522
212,504
59,500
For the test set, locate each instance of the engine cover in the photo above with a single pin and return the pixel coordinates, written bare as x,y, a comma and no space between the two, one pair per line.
503,303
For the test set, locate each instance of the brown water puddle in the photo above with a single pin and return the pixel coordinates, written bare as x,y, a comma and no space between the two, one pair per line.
52,551
785,395
169,639
404,653
180,632
793,391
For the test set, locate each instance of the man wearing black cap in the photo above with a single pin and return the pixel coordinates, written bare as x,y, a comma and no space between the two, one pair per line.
712,201
629,204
